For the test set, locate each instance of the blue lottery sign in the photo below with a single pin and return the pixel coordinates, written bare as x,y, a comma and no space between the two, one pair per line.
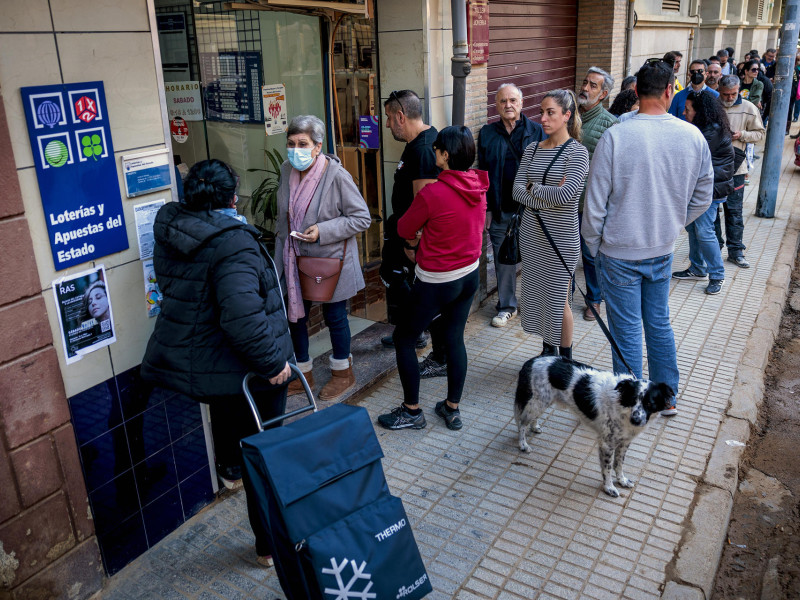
74,157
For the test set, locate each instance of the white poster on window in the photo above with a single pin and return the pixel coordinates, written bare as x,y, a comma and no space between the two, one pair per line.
145,215
275,120
183,100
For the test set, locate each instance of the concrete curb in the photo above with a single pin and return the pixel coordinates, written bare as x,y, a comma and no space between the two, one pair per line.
693,569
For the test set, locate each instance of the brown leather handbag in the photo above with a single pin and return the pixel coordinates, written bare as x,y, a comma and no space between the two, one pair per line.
319,276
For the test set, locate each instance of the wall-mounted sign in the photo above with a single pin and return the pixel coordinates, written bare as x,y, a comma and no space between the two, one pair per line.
183,100
84,313
478,31
74,158
146,172
232,86
275,120
369,132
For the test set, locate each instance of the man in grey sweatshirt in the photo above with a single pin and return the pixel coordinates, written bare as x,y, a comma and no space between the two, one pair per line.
650,177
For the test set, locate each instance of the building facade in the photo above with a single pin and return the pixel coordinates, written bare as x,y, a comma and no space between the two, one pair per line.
95,468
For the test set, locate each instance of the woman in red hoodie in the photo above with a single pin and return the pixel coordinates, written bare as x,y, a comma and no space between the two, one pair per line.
450,215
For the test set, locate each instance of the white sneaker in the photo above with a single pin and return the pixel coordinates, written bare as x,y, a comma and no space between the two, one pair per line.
502,318
670,412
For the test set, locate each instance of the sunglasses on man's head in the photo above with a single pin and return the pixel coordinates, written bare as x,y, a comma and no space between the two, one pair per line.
394,96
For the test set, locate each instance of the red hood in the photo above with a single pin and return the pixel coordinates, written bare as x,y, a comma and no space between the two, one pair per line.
470,185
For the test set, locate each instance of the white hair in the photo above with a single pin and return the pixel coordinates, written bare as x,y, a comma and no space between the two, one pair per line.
509,85
312,126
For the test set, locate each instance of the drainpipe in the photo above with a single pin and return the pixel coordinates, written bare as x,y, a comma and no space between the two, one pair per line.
629,36
460,65
778,115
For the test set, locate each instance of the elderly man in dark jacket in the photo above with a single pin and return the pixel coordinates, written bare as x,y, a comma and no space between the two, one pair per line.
221,316
500,149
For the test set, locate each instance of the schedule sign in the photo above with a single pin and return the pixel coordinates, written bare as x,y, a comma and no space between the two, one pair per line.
74,157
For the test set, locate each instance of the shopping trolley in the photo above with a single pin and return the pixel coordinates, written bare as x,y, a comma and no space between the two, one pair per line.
336,531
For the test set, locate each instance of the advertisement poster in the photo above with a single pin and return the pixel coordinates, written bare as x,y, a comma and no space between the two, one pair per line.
84,313
369,132
145,215
275,120
183,100
146,172
152,295
75,167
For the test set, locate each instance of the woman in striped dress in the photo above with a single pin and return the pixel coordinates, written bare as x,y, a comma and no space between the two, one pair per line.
550,179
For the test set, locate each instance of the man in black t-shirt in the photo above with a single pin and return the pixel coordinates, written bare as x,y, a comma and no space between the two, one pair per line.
416,169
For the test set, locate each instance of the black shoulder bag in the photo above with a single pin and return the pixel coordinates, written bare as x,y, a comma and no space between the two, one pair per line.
509,253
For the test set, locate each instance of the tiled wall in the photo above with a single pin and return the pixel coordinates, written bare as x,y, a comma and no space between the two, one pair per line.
144,459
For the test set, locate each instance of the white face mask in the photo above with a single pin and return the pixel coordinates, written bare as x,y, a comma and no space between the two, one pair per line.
300,158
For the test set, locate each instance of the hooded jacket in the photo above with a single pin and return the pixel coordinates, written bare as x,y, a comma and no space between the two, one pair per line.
222,313
451,213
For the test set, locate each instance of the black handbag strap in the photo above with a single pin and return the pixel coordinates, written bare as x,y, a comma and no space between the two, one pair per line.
600,321
547,170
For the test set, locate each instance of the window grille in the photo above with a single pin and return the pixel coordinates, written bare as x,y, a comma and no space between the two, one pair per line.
671,5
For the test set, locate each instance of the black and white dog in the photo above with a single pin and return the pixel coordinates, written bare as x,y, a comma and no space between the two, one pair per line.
617,407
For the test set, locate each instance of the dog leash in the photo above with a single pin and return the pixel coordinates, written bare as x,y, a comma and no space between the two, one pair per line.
600,321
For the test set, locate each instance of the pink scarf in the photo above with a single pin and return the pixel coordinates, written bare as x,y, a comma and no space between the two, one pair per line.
300,194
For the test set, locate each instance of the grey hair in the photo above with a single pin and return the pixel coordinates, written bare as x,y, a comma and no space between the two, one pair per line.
729,82
771,50
608,80
508,85
312,126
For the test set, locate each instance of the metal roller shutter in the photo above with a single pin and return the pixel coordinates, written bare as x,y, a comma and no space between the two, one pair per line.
532,43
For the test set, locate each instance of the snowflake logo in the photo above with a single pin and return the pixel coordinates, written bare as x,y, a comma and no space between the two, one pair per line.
345,591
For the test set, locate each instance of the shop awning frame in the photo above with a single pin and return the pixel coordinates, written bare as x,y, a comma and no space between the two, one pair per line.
352,7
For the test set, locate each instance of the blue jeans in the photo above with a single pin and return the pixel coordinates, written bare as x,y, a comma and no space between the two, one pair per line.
335,315
637,294
704,251
593,294
506,274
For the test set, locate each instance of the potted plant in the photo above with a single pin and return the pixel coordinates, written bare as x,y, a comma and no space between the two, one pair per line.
265,197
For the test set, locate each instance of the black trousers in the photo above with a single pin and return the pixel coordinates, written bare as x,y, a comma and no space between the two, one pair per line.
451,301
232,420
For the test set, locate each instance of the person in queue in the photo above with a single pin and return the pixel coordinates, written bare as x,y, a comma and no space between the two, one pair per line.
320,211
221,317
500,148
550,180
705,257
450,213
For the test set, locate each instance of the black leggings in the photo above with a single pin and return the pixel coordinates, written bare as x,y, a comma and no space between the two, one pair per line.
452,301
232,420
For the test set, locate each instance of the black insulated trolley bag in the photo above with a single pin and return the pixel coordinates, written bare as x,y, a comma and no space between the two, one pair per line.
337,533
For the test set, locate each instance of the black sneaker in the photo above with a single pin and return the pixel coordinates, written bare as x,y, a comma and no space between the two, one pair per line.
388,341
451,419
739,261
689,274
430,367
400,419
714,286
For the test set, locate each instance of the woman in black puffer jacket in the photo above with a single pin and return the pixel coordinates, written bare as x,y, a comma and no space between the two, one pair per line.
707,114
221,316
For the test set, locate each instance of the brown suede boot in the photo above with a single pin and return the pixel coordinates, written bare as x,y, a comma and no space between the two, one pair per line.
341,381
296,386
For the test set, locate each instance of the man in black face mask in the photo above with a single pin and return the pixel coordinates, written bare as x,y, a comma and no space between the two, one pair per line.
697,70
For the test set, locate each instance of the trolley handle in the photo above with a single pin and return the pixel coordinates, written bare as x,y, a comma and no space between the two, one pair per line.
262,425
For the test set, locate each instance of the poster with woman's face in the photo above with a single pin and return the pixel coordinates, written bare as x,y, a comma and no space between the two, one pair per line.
84,309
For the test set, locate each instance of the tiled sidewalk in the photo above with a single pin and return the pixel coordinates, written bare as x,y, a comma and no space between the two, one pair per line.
492,522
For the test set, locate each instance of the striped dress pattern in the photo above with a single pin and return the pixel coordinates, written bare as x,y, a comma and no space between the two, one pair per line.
545,283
